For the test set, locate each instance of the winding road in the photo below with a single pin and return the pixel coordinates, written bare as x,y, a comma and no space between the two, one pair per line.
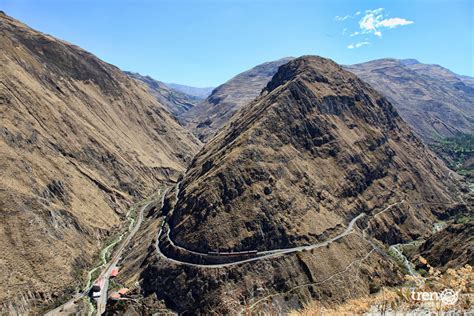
261,255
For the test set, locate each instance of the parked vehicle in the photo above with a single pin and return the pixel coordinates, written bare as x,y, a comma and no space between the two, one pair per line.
97,287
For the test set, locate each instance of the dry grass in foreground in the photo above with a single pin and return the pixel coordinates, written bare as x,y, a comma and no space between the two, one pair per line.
406,299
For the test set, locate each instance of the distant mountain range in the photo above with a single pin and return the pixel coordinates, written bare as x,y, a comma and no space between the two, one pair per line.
436,102
200,93
175,101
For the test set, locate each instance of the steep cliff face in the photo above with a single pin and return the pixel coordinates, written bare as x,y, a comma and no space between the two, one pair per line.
434,101
317,154
79,141
205,119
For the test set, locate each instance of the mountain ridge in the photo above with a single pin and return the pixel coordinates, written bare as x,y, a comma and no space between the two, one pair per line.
198,92
176,102
211,114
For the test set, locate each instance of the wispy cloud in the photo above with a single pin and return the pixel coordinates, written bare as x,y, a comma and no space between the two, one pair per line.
357,45
373,21
341,18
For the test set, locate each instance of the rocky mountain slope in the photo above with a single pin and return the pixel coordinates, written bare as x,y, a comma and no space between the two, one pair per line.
209,116
79,142
175,101
316,152
200,93
433,100
452,247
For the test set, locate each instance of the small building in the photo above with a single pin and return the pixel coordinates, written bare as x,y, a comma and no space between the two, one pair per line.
114,272
123,291
115,296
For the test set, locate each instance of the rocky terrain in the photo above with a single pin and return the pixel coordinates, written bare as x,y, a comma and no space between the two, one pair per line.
175,101
452,247
316,151
211,114
79,142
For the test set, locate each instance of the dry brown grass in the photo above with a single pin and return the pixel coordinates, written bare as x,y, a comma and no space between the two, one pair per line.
399,299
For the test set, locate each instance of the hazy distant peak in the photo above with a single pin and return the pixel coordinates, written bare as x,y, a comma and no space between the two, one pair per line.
198,92
409,61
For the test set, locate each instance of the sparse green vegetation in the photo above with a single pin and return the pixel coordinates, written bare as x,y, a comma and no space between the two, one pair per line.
464,218
456,151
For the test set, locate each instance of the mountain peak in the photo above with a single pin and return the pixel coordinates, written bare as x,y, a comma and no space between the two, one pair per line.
314,68
210,115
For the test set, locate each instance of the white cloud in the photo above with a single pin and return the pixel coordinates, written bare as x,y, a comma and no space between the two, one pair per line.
394,22
371,22
374,20
357,45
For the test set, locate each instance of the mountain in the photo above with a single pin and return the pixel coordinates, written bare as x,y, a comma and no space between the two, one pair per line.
80,142
300,194
200,93
436,102
211,114
175,101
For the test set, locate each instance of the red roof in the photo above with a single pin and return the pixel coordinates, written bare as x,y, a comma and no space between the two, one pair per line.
114,272
122,291
115,296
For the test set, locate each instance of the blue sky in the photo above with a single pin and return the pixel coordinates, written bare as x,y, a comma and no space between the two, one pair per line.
206,42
